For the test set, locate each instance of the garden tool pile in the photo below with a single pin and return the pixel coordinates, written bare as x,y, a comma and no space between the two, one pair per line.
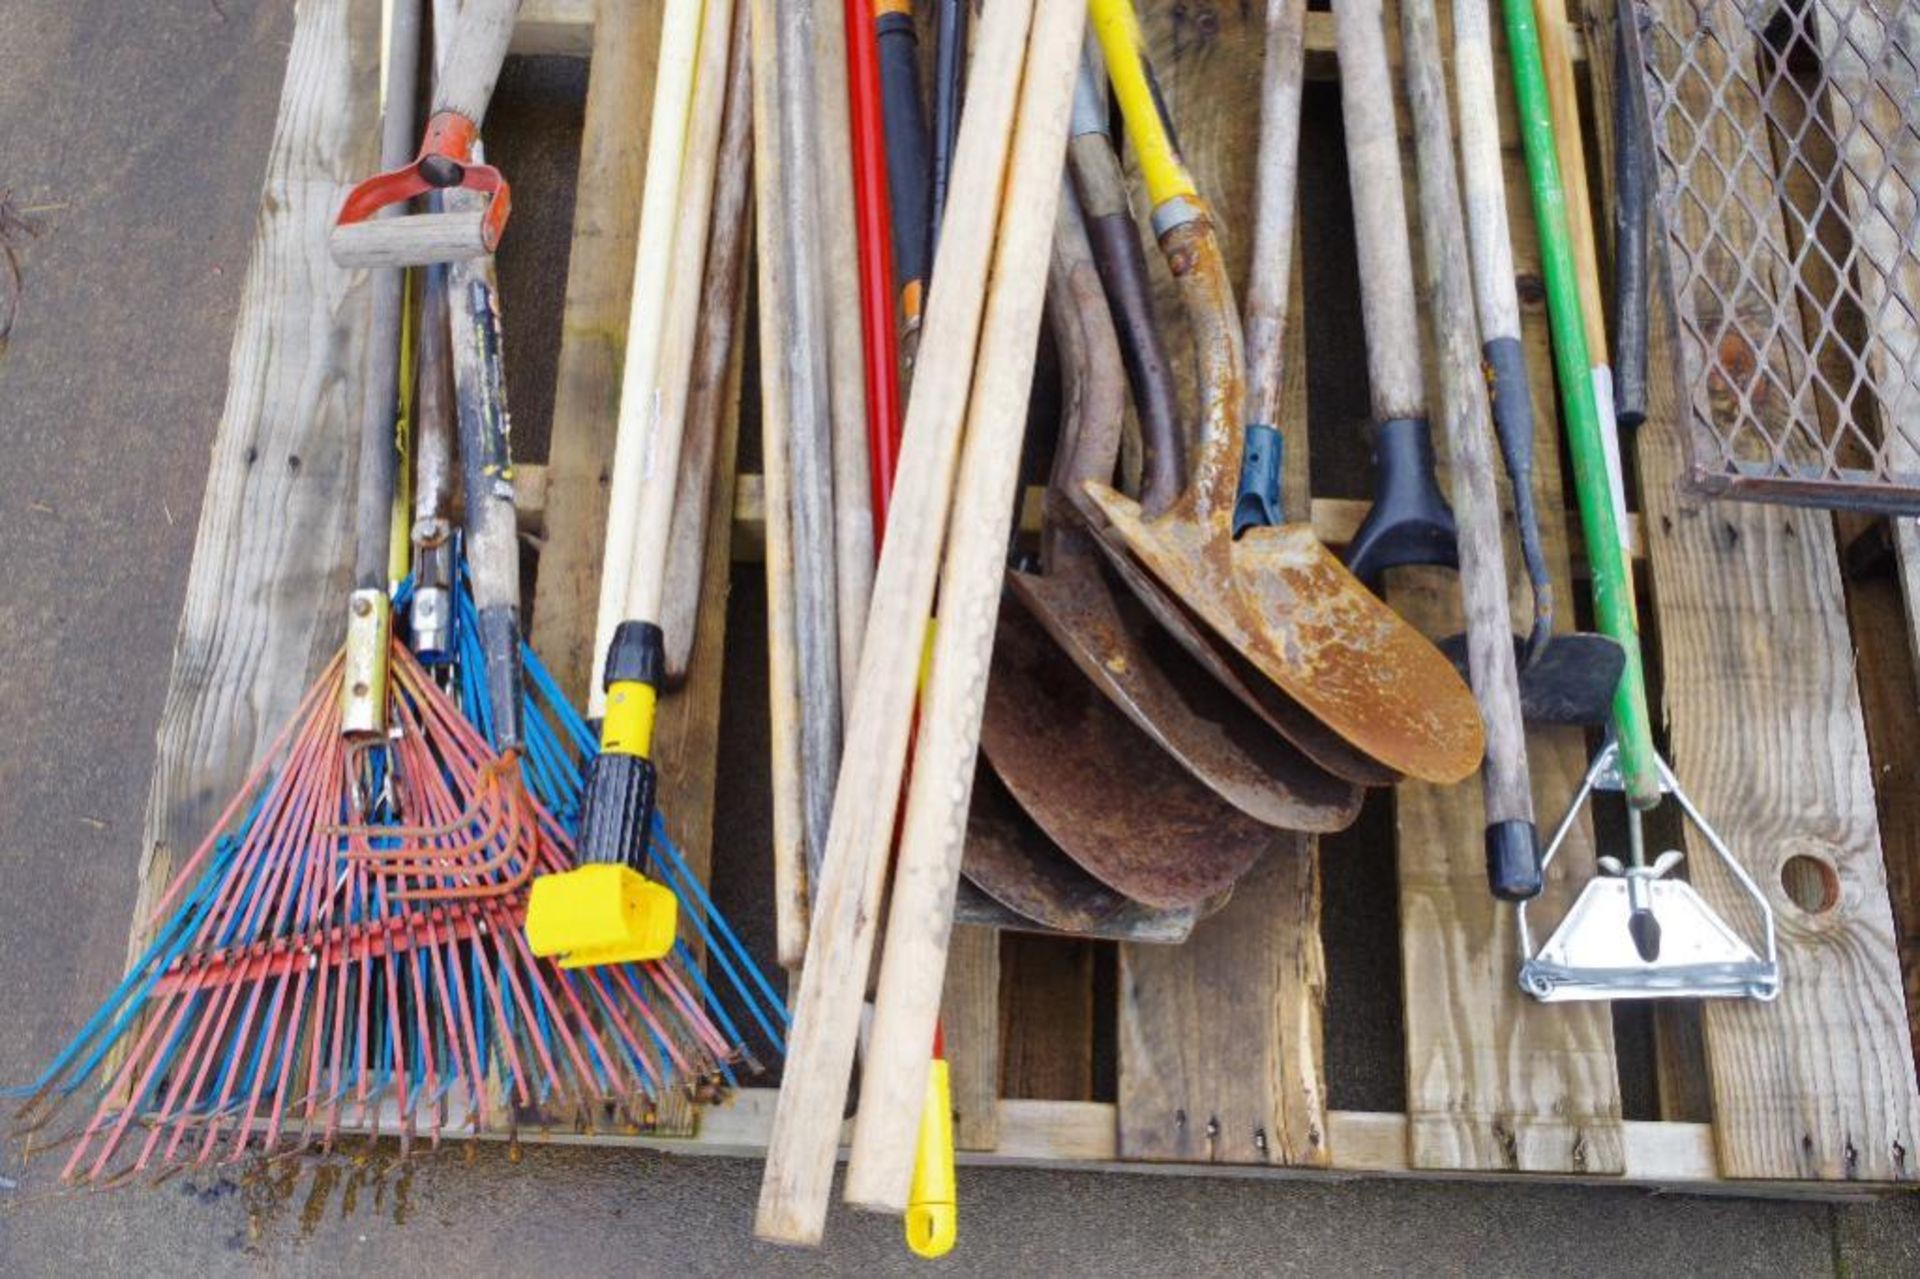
448,900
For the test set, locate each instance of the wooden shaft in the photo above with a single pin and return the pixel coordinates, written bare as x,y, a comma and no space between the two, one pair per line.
471,63
1483,185
790,887
838,254
662,410
375,475
410,240
1556,56
1275,199
432,415
1468,424
810,433
906,1005
718,333
646,319
846,907
1379,213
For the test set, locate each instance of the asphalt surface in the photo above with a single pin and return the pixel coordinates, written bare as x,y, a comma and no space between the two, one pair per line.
133,139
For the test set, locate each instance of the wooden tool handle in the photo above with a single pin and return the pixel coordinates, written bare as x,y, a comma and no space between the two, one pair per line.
837,259
687,294
1275,198
717,333
641,368
1483,184
907,999
1464,413
846,905
810,423
472,63
1379,214
410,240
790,886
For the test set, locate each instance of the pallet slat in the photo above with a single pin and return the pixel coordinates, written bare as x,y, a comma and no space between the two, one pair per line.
266,596
1220,1054
1765,724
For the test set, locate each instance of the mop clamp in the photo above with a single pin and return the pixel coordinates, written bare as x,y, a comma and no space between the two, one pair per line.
1638,932
605,911
445,163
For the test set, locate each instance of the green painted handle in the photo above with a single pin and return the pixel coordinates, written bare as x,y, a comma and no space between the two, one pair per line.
1612,583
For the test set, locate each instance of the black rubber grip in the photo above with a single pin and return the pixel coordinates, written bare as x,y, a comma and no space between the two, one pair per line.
1409,522
1257,504
909,172
638,654
1513,861
617,812
1631,213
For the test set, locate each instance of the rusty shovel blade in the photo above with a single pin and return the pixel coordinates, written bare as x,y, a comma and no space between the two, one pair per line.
1099,787
1172,700
1289,606
1029,885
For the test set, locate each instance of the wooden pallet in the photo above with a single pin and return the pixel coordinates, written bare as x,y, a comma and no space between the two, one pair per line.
1789,694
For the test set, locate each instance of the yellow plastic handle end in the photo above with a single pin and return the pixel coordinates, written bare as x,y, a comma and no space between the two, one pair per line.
932,1219
1118,28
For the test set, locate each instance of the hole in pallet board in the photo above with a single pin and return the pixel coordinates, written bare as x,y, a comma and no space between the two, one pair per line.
1811,883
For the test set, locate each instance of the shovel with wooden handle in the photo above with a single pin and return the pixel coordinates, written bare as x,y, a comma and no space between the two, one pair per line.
1566,678
1409,522
1277,596
446,161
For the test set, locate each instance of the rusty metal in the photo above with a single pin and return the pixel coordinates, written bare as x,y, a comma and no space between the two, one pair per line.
1786,144
1277,596
1032,886
1191,795
1099,788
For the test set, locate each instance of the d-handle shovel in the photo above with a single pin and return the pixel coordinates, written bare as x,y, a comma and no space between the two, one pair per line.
1564,679
1634,931
1409,522
363,237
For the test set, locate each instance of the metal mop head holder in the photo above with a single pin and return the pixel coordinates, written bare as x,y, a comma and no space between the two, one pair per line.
1637,932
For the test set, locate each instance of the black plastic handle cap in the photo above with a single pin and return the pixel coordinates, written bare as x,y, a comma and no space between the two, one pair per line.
1513,861
1257,504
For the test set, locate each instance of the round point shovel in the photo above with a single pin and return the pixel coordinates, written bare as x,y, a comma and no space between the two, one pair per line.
1278,596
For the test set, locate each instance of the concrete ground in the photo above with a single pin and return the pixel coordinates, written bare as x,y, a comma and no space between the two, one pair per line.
133,137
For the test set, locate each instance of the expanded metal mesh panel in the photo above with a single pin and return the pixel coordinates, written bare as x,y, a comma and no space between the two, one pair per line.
1787,144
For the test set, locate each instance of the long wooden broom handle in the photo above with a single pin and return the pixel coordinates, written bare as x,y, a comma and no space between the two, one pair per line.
646,319
846,905
666,401
1379,213
926,874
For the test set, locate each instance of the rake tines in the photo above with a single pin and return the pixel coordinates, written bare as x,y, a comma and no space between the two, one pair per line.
346,951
